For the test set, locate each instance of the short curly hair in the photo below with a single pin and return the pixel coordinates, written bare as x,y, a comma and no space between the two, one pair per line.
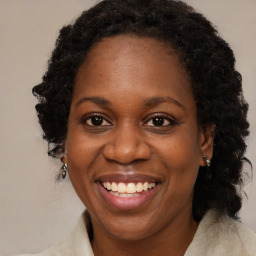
208,60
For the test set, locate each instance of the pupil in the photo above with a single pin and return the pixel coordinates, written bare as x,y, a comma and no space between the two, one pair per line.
97,120
158,121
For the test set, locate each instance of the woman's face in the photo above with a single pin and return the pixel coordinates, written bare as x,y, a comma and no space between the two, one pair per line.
133,129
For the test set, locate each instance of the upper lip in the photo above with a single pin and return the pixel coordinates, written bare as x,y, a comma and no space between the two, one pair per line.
128,177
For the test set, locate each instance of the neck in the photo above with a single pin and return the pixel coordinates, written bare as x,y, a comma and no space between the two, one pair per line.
173,240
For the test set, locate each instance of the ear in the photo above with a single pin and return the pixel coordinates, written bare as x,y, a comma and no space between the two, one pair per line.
206,140
63,158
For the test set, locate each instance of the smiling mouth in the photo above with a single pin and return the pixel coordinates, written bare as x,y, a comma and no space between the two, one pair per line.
131,189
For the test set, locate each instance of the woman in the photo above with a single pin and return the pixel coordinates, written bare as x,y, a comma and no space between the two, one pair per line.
142,104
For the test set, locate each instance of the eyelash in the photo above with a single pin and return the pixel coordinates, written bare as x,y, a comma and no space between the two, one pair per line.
96,115
102,118
165,118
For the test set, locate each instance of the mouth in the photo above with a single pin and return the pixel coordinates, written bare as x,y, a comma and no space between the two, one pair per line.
127,192
130,189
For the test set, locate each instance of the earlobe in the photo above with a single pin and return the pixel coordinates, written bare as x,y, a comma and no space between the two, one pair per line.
206,144
64,159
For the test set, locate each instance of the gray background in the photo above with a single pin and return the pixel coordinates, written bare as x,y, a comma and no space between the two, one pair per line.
34,210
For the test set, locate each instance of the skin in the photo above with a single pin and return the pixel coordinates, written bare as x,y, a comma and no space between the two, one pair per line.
127,70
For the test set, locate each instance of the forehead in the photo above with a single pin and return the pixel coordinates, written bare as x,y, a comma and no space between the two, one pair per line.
127,64
127,43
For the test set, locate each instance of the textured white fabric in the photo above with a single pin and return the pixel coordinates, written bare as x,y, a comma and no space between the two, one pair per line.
222,236
216,235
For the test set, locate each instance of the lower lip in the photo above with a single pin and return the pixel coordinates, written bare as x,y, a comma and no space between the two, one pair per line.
126,203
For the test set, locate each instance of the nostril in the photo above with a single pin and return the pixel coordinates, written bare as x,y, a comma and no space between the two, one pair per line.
126,153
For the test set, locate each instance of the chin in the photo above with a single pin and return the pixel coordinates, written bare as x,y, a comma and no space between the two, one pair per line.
129,228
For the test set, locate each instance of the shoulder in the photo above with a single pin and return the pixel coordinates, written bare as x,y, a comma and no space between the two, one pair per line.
221,235
76,244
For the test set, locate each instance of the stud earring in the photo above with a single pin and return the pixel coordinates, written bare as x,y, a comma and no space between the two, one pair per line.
64,171
207,161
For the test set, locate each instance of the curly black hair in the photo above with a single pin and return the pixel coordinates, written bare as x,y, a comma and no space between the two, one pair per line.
208,60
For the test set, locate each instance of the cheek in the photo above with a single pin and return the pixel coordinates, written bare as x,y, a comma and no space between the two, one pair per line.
82,155
180,157
82,150
181,147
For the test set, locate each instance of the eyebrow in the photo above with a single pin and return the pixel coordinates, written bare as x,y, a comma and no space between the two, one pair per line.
158,100
148,102
96,99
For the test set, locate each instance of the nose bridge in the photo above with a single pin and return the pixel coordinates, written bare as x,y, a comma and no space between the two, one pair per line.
127,145
127,139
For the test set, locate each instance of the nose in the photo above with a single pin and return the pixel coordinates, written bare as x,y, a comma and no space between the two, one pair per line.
126,146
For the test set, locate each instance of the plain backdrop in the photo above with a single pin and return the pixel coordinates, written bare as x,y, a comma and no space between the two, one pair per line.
35,211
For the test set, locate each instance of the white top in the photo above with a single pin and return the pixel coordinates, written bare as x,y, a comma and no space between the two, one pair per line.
216,235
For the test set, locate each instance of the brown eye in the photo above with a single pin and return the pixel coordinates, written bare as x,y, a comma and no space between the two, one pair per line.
159,121
96,121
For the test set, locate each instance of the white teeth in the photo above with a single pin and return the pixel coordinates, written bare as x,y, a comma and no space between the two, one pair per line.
124,195
114,186
151,185
108,186
140,187
121,188
130,188
145,186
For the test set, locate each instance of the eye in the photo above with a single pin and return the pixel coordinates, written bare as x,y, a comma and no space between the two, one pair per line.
96,120
160,121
